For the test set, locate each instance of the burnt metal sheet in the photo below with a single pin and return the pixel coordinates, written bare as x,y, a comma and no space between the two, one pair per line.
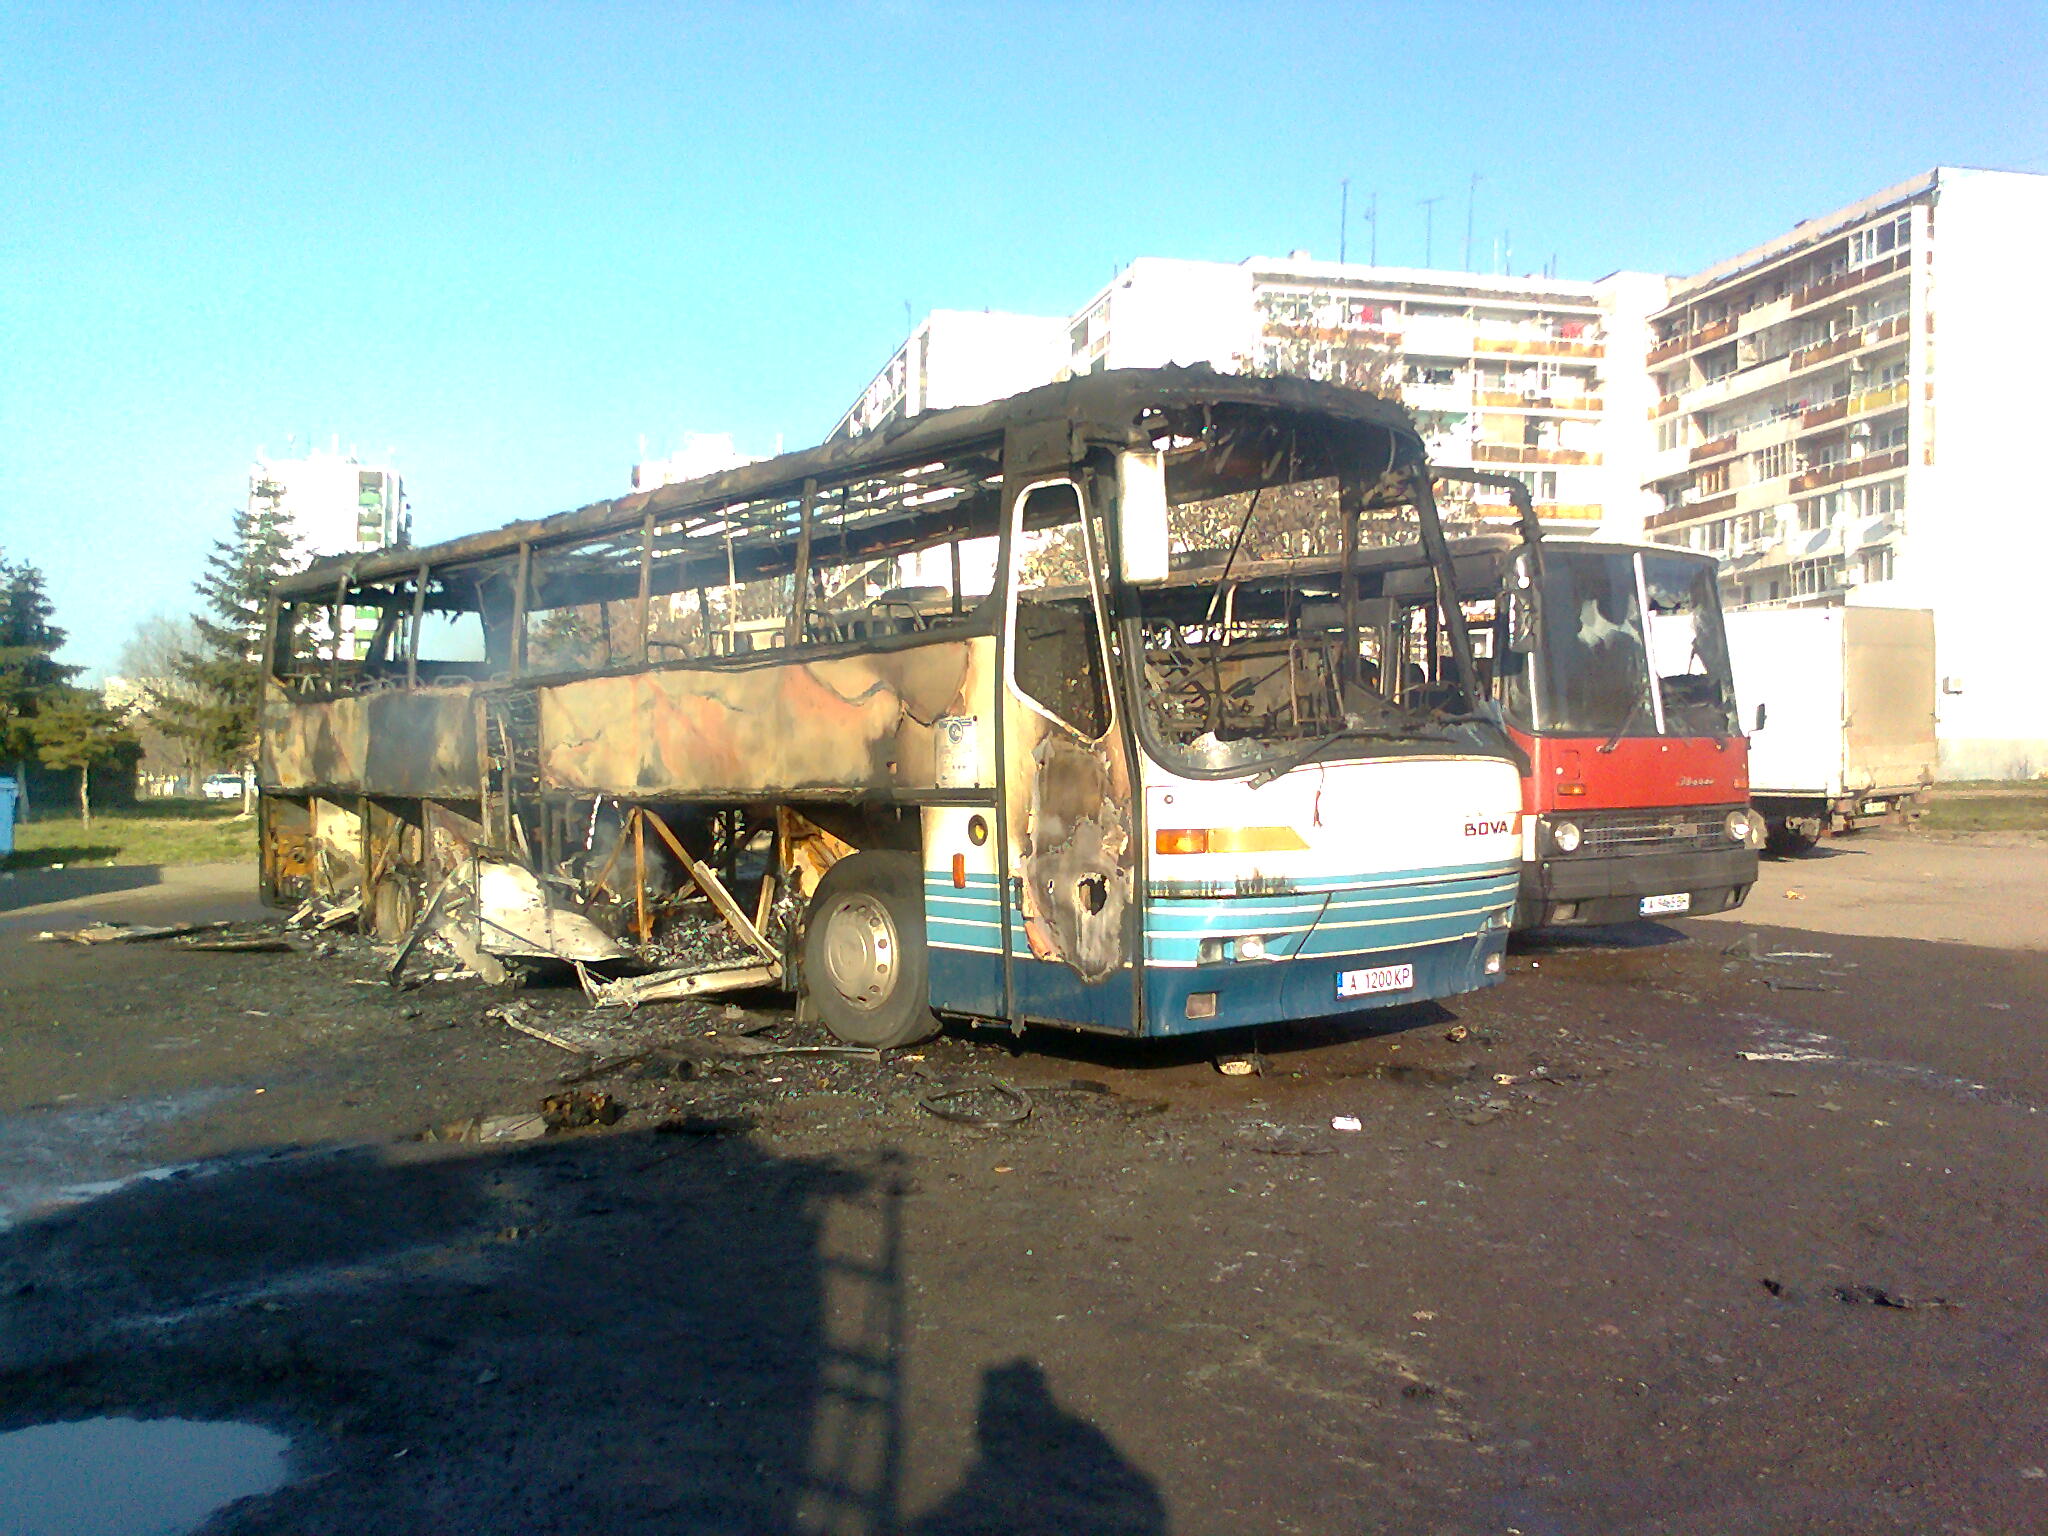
1070,804
393,743
833,725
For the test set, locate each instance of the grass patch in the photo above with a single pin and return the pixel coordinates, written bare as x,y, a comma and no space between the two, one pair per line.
157,832
2009,807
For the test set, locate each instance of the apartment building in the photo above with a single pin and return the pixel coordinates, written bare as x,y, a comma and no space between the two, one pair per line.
335,503
1836,415
1505,373
959,357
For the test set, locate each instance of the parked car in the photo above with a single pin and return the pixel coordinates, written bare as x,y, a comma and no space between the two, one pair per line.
222,786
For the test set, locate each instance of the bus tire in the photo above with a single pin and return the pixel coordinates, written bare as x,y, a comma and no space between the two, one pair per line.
866,968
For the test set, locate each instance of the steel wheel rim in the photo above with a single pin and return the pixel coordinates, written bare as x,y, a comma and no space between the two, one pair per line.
861,952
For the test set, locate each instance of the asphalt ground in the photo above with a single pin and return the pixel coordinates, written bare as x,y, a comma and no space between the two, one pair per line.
1653,1238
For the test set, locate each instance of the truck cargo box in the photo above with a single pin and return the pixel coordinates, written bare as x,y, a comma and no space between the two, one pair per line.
1839,706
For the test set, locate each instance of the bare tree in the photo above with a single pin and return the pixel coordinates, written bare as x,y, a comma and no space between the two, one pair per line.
148,664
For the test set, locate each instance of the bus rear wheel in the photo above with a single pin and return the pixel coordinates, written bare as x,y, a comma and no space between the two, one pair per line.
865,963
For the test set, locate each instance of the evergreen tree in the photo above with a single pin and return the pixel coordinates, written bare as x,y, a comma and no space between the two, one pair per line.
74,728
220,679
29,670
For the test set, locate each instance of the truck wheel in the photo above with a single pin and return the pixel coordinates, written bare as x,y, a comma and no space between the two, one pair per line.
865,963
1785,841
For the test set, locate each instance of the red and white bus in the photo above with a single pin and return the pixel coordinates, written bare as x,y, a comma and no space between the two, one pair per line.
1609,665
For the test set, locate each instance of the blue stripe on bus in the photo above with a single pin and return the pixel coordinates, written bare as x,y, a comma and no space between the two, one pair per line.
1307,989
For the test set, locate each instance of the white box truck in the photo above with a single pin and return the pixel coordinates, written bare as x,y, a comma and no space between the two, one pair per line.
1839,707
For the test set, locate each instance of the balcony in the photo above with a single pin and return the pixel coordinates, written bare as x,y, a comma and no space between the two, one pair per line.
1855,277
1568,512
1849,341
1515,453
1714,448
1849,469
1823,415
1538,347
1691,512
1664,407
1360,335
1509,401
1664,351
1886,398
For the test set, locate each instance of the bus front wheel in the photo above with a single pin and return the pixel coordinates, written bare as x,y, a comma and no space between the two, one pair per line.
865,963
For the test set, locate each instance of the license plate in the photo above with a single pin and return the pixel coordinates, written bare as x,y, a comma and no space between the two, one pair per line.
1677,901
1381,978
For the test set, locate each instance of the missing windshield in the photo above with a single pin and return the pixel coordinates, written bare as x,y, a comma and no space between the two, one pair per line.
1254,643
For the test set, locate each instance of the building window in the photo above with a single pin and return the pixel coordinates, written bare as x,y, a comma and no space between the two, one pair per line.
1712,482
1875,564
1867,245
1882,499
1670,433
1771,463
1811,577
1717,534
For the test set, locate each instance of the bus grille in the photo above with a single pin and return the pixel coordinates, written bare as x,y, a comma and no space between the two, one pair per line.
1658,832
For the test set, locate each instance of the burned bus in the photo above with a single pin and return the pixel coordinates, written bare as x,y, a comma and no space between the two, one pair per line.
1610,665
1072,708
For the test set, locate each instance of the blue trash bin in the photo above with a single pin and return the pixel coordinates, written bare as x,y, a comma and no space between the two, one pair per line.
10,803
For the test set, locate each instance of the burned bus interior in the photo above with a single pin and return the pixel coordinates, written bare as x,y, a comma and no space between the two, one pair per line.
643,731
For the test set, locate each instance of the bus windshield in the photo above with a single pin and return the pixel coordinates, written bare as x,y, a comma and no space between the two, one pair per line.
1626,643
1251,645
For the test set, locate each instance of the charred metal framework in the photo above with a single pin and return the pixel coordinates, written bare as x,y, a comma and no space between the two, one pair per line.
710,727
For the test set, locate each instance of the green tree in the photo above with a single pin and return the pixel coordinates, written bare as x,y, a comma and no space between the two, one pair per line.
74,728
29,670
217,683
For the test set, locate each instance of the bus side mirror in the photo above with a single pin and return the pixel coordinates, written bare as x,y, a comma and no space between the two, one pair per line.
1761,709
1142,515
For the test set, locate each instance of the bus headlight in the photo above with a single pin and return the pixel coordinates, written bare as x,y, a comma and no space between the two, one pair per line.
1565,835
1251,947
1738,825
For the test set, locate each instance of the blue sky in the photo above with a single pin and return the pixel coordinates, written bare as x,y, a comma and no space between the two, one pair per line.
505,241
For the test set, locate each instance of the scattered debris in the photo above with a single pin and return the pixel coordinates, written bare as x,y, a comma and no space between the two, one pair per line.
529,1127
519,1016
579,1107
1797,984
1878,1296
1012,1107
682,982
1246,1065
1457,1034
249,944
125,933
1346,1123
1793,1053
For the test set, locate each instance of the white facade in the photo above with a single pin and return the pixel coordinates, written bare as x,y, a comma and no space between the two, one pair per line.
1503,373
335,503
702,453
959,357
1836,413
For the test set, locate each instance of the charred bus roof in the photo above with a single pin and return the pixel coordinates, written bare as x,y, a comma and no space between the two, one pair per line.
1106,408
